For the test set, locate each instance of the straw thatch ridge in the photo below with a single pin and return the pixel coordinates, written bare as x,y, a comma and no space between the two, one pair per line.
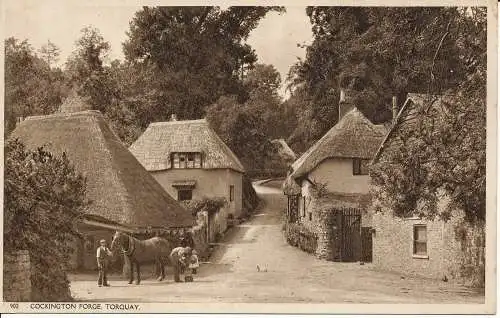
118,187
74,103
354,136
154,147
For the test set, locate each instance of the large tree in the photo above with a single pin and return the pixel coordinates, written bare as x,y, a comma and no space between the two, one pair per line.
197,54
32,86
380,53
444,148
87,72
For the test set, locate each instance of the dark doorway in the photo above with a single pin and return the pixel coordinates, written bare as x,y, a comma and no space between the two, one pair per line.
366,244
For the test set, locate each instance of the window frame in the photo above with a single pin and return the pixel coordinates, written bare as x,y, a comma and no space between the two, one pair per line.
184,190
231,193
186,160
416,240
357,167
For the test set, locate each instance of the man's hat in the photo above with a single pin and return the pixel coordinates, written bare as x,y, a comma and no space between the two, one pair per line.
102,241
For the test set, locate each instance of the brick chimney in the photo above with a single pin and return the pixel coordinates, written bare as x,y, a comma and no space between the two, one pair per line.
345,102
395,109
173,117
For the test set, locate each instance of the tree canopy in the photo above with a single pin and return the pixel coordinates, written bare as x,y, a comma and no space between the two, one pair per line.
443,151
32,86
381,52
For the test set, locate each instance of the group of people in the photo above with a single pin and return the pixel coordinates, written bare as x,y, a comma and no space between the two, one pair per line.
184,260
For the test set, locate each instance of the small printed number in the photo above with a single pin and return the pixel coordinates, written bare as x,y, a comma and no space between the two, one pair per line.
14,306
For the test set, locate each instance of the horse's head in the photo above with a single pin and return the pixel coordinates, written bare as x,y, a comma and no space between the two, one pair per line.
118,240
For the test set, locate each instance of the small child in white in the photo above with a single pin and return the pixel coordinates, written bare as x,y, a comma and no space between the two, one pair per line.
193,266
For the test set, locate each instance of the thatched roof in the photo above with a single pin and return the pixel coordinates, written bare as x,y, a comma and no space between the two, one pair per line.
118,187
291,187
154,146
414,102
284,150
354,136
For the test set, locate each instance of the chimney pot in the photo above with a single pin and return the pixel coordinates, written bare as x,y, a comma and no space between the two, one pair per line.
342,96
394,108
345,102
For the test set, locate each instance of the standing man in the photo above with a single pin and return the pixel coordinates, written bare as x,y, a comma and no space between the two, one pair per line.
103,253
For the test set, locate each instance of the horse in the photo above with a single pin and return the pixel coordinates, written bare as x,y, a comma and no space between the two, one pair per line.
141,251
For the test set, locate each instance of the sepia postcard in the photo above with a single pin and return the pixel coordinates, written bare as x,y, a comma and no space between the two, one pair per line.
228,157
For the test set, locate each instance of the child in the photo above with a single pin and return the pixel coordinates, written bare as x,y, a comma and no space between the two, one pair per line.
192,267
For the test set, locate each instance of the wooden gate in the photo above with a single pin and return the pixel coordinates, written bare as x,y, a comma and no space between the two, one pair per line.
348,237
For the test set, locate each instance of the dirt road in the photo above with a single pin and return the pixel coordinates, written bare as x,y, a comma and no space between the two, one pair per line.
253,263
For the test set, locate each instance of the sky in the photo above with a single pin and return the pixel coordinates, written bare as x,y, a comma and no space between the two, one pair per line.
274,40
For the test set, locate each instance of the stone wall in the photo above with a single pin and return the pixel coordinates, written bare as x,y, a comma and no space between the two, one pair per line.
320,219
455,249
17,276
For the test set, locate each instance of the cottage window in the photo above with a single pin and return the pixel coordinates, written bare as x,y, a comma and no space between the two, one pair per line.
186,160
231,193
420,240
190,160
360,166
184,194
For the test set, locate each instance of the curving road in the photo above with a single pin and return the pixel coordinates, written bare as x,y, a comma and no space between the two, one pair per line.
253,263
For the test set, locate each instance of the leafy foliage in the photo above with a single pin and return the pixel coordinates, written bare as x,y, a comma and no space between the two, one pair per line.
44,196
32,87
298,235
87,72
248,127
197,54
444,148
210,205
381,52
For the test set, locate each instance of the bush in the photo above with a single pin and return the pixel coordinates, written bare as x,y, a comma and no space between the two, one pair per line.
250,198
299,236
210,205
44,195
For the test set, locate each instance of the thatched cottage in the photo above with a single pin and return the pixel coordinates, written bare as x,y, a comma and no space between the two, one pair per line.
415,246
122,194
191,162
331,175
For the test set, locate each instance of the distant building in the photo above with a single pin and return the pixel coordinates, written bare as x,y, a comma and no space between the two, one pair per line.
191,162
122,194
333,173
415,246
284,151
